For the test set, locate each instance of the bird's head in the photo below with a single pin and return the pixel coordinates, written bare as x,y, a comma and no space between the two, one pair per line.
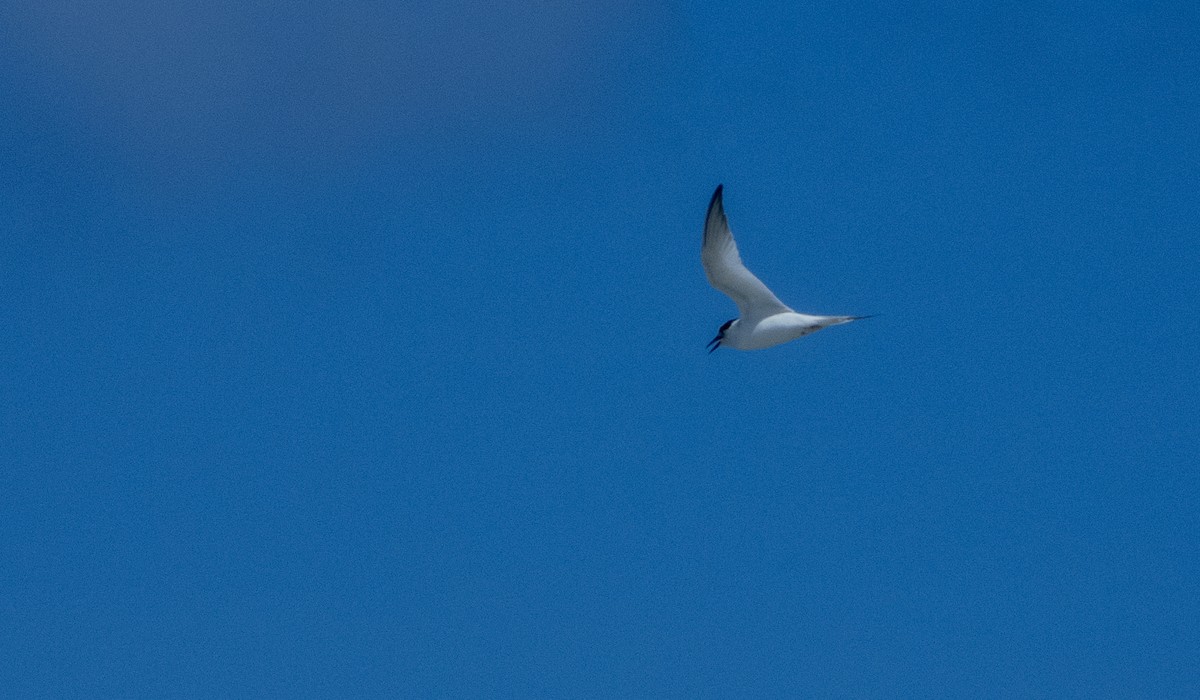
716,342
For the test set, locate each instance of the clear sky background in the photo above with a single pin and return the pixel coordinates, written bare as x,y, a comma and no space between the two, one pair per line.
358,350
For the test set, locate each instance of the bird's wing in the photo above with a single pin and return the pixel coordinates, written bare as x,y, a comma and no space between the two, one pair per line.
725,269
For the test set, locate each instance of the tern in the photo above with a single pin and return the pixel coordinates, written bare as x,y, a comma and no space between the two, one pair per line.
765,321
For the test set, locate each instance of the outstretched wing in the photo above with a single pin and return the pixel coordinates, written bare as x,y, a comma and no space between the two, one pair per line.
725,269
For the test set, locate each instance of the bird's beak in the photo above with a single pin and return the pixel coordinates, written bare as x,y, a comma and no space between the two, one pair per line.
714,344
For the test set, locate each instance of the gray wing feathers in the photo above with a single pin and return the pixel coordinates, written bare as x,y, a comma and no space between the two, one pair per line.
725,269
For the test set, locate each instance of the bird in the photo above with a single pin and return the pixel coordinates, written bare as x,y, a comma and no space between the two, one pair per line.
764,321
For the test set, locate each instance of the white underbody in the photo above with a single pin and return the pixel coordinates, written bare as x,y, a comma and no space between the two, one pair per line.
776,329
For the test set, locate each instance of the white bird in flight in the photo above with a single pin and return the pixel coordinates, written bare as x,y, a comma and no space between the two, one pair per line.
765,321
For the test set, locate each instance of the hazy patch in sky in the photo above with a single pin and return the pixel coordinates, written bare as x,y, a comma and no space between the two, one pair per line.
260,81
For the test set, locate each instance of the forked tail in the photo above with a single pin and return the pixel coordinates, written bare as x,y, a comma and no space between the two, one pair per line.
848,319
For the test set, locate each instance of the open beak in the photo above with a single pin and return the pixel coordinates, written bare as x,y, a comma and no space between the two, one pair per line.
714,343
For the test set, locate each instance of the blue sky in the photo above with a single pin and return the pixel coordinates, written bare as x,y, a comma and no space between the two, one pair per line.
358,350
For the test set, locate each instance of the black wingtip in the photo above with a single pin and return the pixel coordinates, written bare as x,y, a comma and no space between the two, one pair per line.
715,216
714,204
